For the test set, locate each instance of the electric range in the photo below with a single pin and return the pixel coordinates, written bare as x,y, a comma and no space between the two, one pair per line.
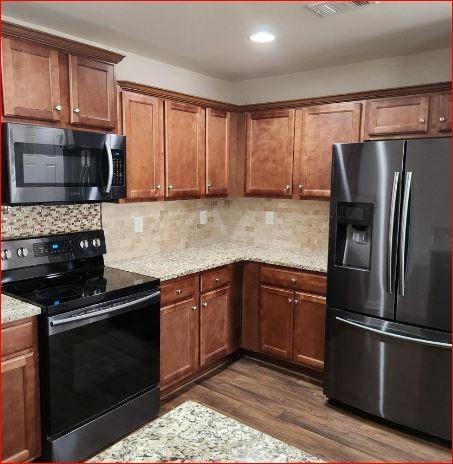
99,345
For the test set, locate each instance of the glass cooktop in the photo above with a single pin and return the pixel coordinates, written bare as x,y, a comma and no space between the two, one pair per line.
79,288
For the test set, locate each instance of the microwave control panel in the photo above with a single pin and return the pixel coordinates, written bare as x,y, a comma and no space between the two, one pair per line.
118,168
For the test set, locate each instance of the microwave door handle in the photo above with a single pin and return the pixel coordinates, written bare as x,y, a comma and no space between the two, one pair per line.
391,229
108,187
404,233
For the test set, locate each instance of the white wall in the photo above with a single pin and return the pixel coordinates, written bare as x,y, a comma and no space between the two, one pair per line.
420,68
144,70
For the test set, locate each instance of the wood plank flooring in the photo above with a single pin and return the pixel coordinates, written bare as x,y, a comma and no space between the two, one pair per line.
288,407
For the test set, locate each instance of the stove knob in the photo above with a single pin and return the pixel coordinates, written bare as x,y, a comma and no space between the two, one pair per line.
6,254
84,244
96,242
22,252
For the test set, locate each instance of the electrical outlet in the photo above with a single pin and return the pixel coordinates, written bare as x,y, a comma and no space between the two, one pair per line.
269,217
203,217
138,224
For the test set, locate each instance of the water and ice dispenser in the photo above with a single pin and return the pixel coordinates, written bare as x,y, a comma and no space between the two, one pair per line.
353,235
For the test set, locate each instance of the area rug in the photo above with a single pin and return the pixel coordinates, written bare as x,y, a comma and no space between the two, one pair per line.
193,432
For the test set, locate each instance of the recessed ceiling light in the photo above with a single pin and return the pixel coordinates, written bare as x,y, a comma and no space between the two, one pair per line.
262,37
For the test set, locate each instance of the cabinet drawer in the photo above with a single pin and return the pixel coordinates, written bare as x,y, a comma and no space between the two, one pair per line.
178,290
215,278
19,337
313,283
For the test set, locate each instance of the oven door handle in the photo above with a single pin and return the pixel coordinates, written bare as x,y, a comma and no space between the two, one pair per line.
102,312
108,149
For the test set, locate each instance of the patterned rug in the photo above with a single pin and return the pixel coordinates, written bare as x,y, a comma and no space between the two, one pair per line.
193,432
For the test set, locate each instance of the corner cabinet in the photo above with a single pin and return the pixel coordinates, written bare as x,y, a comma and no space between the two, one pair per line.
184,150
317,129
269,153
143,128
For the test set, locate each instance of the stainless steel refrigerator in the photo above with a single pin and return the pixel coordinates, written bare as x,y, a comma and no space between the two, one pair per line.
388,323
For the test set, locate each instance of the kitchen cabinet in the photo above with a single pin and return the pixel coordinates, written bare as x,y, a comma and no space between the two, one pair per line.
214,325
92,92
143,128
397,116
217,152
31,87
276,321
269,153
184,150
317,129
440,117
21,440
309,320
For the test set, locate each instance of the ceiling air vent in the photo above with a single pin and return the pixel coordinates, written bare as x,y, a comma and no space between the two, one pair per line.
331,8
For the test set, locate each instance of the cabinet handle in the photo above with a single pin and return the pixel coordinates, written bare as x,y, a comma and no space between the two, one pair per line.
205,304
421,120
193,308
58,107
170,187
443,119
290,300
158,186
301,187
178,291
217,279
76,110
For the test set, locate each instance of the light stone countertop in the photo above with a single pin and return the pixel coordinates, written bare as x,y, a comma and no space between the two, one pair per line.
173,264
14,309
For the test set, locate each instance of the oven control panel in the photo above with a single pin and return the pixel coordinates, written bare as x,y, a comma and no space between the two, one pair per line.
23,253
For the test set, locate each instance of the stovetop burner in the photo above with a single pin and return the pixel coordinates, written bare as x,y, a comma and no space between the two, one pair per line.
60,294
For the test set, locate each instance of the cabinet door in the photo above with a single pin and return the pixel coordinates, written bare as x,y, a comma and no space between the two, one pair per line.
317,129
20,409
441,114
184,150
178,341
31,87
399,115
276,321
143,128
92,91
217,151
214,325
270,144
309,321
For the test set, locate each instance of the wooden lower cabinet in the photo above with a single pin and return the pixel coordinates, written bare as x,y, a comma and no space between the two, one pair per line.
179,341
309,320
214,325
21,436
276,321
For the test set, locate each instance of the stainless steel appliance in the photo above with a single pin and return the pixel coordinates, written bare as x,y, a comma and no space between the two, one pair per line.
388,323
99,345
52,165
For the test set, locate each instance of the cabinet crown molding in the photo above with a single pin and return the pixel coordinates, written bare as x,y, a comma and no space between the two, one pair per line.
63,44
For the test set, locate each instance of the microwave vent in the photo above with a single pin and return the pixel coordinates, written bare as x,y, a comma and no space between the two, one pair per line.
332,8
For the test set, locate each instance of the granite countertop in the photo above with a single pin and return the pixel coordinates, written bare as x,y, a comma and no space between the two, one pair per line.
14,309
173,264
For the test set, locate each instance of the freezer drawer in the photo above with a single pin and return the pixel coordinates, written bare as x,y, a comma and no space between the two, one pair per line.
403,375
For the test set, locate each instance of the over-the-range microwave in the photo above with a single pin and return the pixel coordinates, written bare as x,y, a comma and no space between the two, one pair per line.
53,165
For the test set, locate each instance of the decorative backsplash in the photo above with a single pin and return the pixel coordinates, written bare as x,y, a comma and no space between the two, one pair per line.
38,220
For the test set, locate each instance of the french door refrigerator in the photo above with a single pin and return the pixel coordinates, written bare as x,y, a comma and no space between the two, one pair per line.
388,322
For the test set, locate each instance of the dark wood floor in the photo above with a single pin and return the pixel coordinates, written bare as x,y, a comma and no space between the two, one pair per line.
288,407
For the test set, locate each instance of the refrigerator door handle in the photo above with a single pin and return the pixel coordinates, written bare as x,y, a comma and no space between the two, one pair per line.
403,233
394,335
390,278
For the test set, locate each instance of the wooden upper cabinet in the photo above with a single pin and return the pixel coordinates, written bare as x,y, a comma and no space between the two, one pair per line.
217,151
184,150
92,91
309,322
270,144
441,113
398,115
31,87
179,341
317,129
276,321
143,128
214,325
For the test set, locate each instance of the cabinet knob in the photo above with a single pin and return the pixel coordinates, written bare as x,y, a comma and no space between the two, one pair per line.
209,186
193,308
205,304
58,108
443,119
76,110
178,291
301,187
158,186
421,120
170,187
217,279
290,300
287,188
293,280
296,301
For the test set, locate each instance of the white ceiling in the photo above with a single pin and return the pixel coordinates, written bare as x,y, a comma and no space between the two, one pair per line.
211,37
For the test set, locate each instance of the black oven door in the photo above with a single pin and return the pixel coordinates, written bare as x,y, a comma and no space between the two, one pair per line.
95,359
50,165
